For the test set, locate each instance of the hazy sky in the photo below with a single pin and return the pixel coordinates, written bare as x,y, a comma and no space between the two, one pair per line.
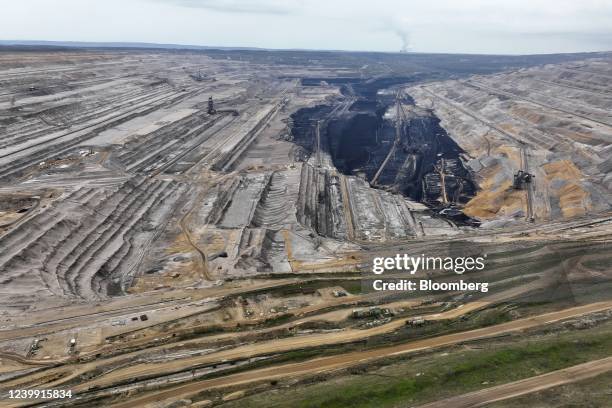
474,26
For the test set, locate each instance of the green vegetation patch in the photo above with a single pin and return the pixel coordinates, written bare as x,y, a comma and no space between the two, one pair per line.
435,377
593,393
599,264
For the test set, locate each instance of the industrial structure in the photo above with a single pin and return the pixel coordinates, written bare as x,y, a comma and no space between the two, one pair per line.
521,179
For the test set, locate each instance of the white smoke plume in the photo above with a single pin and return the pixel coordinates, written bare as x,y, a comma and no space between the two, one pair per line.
405,37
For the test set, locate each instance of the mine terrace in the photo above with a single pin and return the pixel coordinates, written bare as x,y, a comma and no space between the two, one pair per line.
181,225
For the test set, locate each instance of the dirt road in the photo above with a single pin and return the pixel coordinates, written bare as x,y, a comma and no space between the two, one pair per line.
331,363
279,345
501,392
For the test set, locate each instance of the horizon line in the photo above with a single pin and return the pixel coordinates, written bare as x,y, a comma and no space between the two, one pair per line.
170,46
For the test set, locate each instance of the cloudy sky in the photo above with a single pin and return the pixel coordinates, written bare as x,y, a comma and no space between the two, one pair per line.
473,26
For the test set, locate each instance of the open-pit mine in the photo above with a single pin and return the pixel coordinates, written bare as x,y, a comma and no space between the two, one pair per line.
198,228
